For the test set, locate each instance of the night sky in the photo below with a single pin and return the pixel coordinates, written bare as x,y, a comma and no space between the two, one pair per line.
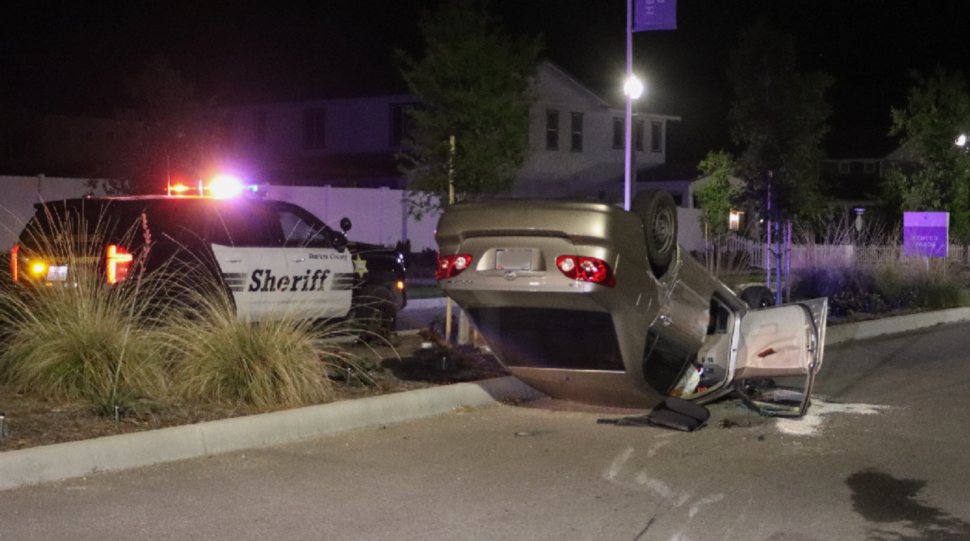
71,59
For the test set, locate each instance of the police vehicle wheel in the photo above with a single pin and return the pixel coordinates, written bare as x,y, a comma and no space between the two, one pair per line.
758,296
658,212
376,305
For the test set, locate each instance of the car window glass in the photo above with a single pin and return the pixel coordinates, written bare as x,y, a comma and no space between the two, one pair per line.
301,231
242,225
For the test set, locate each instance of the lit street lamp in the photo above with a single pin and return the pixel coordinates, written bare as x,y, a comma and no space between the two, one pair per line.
962,140
633,87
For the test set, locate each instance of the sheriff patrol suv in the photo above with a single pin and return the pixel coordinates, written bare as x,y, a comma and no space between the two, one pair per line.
274,257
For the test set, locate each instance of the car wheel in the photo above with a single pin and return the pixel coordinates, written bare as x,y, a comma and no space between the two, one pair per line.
658,212
758,296
376,305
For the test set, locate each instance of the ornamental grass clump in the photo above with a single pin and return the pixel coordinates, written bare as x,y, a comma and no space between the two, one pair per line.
223,358
79,337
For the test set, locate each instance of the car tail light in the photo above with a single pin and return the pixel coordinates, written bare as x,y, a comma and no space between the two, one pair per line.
586,269
119,261
450,266
13,261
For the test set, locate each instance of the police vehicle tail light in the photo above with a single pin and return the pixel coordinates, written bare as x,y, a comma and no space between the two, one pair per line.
13,261
119,261
450,266
586,269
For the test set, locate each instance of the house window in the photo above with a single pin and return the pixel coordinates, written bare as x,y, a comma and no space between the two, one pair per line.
576,127
869,167
552,129
618,133
656,137
314,128
402,126
638,134
259,127
844,168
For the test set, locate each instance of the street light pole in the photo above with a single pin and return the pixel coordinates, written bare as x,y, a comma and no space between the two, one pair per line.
627,157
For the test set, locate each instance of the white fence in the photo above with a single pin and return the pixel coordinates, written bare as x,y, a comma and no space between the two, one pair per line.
378,216
756,254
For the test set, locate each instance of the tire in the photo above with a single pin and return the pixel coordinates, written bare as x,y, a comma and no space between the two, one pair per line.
758,297
658,212
376,305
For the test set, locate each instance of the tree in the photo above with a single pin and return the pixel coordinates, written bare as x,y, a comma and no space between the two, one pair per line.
177,136
473,83
779,117
717,196
936,113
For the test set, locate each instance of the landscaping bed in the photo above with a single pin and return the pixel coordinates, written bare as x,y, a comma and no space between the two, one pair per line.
405,362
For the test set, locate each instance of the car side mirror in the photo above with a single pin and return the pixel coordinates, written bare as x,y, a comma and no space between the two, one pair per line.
339,241
345,224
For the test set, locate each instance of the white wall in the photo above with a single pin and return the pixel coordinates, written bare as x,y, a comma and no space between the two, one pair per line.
379,216
18,195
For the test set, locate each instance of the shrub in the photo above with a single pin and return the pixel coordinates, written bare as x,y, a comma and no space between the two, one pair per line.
219,357
83,339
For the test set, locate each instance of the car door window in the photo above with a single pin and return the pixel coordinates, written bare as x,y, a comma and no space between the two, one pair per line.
243,226
303,231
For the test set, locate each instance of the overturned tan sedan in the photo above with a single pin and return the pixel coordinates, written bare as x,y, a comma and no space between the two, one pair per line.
587,302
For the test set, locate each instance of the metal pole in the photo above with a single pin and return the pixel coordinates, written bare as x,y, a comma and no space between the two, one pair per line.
777,265
451,201
627,154
788,248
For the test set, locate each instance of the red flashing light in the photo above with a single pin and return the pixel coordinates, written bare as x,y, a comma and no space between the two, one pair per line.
13,261
450,266
586,269
119,261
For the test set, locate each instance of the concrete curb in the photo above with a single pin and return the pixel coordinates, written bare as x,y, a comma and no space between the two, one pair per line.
76,459
862,330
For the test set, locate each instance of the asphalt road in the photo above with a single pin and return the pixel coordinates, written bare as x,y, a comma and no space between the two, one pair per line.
882,455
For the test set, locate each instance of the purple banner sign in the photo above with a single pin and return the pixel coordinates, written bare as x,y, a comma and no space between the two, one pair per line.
926,234
654,15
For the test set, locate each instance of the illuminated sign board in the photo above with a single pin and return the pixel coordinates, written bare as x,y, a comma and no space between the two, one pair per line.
926,234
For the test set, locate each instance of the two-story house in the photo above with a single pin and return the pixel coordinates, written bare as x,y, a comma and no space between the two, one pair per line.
576,137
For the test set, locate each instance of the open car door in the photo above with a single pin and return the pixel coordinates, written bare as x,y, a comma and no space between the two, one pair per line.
779,352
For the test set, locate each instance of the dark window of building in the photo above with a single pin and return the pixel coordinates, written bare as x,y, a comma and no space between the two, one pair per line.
576,128
402,125
618,133
638,135
552,129
870,167
314,128
656,136
259,127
